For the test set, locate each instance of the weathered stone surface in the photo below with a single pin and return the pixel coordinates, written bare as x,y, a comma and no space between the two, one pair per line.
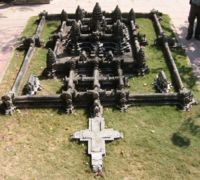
32,86
161,83
186,99
8,105
96,136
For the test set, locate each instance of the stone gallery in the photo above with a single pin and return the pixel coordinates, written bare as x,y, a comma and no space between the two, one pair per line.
96,54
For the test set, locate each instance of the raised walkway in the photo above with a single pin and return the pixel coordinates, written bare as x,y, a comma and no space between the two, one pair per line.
13,20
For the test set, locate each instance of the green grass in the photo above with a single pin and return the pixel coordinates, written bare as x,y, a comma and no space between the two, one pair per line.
159,142
155,60
38,62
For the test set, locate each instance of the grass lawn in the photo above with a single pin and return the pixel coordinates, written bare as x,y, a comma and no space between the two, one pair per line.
160,142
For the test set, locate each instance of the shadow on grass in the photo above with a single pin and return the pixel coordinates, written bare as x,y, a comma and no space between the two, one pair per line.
186,72
50,44
190,126
2,112
53,24
191,79
166,25
180,140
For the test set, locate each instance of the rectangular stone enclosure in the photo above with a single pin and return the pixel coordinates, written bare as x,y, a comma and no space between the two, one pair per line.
96,54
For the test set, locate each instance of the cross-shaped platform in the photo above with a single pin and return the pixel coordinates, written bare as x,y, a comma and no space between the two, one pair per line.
96,136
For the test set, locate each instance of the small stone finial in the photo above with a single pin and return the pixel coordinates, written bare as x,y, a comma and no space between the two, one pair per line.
97,14
117,14
37,40
79,14
109,56
186,100
7,102
123,101
142,39
83,56
131,15
97,108
66,96
43,14
161,84
63,16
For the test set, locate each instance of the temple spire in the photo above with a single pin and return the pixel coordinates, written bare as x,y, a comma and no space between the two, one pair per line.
97,13
64,16
75,31
117,15
131,15
79,13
